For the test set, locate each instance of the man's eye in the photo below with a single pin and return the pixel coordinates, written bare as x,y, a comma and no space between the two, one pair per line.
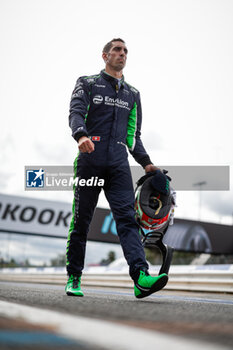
118,48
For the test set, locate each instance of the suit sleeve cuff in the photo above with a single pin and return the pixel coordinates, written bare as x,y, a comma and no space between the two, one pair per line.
145,161
80,134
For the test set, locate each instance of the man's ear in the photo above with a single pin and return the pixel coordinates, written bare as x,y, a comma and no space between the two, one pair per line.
105,56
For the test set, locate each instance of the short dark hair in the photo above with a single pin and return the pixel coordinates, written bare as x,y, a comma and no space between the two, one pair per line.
108,46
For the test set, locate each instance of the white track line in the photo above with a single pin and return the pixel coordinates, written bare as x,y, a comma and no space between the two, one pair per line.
105,334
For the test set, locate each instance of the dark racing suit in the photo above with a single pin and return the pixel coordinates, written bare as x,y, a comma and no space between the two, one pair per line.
111,117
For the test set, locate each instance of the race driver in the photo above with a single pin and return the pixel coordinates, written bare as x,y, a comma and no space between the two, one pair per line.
105,119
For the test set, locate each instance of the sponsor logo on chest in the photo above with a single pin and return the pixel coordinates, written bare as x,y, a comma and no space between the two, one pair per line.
98,99
110,101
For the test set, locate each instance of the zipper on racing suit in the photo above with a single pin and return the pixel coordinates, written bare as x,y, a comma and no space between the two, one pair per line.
114,132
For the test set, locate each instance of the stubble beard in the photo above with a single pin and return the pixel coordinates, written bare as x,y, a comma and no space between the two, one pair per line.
118,67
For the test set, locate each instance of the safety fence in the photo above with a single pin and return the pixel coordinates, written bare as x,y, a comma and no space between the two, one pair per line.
206,278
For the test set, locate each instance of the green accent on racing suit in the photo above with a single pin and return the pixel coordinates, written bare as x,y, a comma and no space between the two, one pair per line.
132,127
73,210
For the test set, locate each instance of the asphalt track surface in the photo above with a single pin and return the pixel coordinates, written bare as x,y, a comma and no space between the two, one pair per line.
196,316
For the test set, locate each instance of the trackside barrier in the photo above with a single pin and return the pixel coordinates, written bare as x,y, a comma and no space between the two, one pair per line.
206,278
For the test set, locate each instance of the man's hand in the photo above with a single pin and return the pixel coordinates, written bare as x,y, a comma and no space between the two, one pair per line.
151,167
85,145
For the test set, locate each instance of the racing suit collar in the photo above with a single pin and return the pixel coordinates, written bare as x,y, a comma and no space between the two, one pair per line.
111,79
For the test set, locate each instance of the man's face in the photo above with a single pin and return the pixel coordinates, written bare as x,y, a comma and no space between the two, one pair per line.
116,57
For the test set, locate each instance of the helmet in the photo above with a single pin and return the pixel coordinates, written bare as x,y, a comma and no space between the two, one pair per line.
154,206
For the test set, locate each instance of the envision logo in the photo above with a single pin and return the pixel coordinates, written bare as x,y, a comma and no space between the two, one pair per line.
117,101
98,99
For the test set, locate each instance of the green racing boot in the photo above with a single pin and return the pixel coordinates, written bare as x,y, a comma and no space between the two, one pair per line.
73,286
147,284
